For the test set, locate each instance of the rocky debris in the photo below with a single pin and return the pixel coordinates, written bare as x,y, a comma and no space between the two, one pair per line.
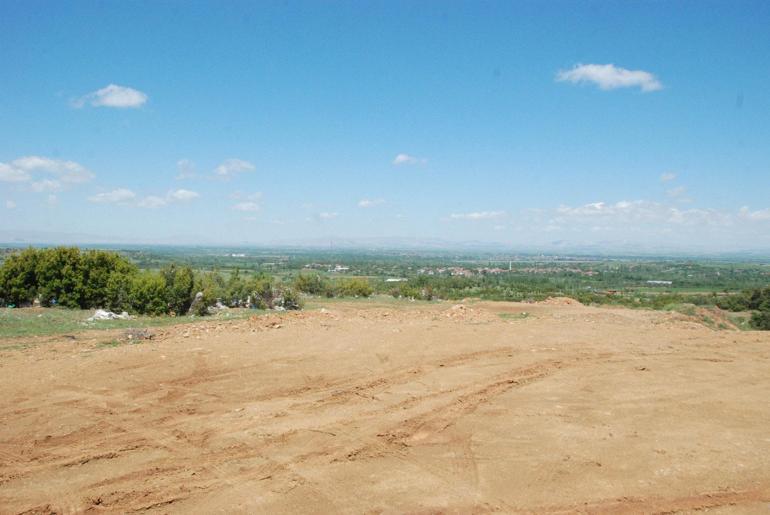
138,334
102,314
463,313
195,303
560,301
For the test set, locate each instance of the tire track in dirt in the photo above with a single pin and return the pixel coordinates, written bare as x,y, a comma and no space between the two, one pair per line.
658,505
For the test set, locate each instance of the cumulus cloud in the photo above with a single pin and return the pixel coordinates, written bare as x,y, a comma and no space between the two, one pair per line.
28,168
327,216
113,95
627,214
10,174
116,196
678,193
609,76
45,185
365,203
152,202
10,204
478,215
155,201
185,169
66,171
246,206
230,167
667,177
406,159
182,195
760,215
124,196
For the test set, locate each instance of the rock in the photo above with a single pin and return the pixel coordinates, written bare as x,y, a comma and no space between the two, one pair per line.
195,303
102,314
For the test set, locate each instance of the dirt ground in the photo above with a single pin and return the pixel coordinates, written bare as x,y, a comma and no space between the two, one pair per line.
376,408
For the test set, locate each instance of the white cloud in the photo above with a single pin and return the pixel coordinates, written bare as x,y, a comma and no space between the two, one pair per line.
155,201
370,202
667,177
239,195
66,171
113,96
628,214
152,202
327,216
406,159
45,185
609,76
117,196
10,204
230,167
677,192
760,215
185,169
10,174
478,215
182,195
246,206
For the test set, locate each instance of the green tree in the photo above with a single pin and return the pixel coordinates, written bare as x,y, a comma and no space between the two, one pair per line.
18,278
148,294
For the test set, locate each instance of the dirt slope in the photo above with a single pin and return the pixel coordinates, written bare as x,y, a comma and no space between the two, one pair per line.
387,410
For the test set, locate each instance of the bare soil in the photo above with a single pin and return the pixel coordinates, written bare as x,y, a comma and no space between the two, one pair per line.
366,408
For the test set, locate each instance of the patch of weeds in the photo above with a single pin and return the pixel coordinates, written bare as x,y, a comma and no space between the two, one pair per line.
740,320
513,316
111,343
685,309
708,321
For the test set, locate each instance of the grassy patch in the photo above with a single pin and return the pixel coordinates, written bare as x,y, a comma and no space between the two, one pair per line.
740,320
685,309
513,316
46,321
111,343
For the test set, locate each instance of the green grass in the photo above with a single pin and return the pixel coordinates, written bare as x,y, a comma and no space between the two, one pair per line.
377,300
513,316
741,320
47,321
111,343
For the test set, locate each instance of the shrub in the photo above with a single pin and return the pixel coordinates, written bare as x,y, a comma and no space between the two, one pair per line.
148,294
356,287
313,284
760,320
289,299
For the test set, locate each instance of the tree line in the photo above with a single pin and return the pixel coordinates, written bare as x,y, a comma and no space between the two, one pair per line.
74,278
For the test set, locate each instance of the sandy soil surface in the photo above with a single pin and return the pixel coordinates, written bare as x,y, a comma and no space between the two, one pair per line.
366,408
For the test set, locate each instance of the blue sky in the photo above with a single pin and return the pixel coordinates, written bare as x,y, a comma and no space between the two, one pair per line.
524,123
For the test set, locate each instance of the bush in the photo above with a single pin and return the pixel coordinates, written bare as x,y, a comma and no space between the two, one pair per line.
313,284
289,299
179,287
148,294
18,278
760,320
357,287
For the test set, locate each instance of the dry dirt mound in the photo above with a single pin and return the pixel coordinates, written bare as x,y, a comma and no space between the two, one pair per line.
559,301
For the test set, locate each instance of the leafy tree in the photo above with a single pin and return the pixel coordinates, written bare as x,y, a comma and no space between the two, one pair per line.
761,320
179,286
148,294
18,278
357,287
313,284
